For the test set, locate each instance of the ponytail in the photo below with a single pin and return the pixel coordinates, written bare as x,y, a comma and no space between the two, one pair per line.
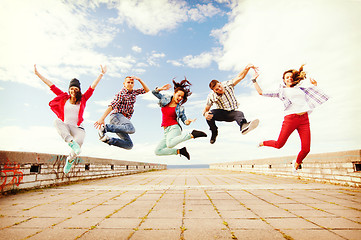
183,86
297,75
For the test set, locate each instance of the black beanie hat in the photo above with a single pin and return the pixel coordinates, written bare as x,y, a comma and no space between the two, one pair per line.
74,83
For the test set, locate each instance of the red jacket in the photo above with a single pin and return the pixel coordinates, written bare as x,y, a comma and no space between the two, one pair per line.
58,103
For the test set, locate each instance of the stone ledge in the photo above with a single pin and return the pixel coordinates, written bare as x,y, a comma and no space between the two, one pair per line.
24,170
335,167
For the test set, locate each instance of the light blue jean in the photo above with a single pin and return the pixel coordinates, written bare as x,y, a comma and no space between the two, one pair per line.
122,126
173,135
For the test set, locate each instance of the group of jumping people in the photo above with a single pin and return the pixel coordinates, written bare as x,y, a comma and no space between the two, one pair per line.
299,99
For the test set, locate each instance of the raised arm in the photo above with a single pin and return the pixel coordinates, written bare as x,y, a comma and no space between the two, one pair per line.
45,80
165,87
96,81
101,120
146,89
242,74
254,80
156,92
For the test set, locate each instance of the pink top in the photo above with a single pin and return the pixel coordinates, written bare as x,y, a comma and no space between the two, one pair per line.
169,117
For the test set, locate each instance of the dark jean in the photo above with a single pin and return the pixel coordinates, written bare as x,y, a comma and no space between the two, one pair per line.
225,116
122,126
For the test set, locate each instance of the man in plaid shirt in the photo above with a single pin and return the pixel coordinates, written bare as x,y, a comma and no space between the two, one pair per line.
222,95
122,108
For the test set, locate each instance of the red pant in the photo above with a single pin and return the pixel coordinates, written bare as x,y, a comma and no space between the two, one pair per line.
291,123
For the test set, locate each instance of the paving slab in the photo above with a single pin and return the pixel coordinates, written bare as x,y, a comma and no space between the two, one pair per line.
184,204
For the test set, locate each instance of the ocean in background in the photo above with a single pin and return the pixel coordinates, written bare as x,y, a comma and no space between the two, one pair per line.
188,166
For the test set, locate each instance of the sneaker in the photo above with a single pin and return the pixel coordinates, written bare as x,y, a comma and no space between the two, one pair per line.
101,131
294,170
197,134
214,136
184,152
75,146
105,138
247,127
69,162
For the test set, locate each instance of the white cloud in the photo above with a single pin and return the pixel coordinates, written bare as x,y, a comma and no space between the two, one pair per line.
202,12
279,35
175,63
202,60
50,33
34,139
137,49
152,17
154,58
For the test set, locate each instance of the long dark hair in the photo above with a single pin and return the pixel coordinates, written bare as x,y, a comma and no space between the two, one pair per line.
297,75
183,86
78,97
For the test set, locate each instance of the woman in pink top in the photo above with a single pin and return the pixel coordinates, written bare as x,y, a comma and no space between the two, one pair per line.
69,108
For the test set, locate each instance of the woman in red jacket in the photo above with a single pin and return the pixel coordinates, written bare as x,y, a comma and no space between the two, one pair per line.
69,108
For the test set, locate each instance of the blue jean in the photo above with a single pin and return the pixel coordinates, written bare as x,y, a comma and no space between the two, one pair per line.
172,136
122,126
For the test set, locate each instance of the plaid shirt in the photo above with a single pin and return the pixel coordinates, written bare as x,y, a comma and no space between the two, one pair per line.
124,101
314,96
226,101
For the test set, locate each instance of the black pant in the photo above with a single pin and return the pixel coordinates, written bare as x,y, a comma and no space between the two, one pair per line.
226,116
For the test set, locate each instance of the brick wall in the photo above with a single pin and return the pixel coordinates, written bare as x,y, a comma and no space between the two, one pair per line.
337,167
23,170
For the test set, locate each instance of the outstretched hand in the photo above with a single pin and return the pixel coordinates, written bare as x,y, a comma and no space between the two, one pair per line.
104,69
313,81
250,65
256,73
35,70
189,121
98,123
165,87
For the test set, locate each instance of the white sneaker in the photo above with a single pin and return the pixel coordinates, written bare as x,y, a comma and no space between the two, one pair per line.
105,138
247,127
101,131
294,170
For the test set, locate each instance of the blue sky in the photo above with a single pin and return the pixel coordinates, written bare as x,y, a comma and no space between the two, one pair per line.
161,39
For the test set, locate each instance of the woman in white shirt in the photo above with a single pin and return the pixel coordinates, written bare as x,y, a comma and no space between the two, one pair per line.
298,102
69,108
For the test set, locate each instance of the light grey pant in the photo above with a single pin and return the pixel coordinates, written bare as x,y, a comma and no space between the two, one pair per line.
173,135
70,132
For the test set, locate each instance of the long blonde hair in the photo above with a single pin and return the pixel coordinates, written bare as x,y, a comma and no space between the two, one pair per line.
297,75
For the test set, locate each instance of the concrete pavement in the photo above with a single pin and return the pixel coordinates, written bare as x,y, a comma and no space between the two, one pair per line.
184,204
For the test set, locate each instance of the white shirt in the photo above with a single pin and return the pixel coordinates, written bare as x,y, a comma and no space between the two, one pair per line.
298,100
71,113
